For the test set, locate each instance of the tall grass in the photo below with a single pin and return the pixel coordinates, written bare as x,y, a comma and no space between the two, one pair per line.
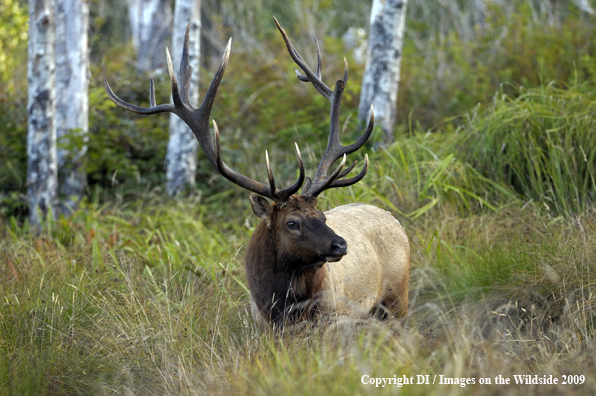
149,297
114,297
540,142
506,292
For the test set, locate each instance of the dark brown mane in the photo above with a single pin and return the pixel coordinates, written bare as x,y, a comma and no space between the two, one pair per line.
284,284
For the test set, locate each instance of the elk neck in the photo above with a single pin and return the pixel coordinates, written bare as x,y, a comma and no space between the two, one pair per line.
283,284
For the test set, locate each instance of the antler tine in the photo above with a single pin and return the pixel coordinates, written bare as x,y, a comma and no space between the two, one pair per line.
360,142
185,68
345,172
212,90
353,180
326,182
269,191
175,94
270,173
163,108
314,78
293,189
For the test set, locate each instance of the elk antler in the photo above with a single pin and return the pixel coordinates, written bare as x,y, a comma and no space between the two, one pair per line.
335,150
197,120
269,191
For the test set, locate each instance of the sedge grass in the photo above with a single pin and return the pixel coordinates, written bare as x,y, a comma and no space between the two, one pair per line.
507,292
540,142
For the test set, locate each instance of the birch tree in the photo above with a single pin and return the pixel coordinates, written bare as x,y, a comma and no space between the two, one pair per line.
134,16
72,99
381,75
150,25
181,159
584,5
41,137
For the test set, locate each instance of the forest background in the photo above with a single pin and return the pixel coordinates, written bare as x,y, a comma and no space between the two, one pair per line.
491,174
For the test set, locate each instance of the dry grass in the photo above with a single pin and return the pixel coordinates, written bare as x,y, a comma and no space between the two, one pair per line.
505,293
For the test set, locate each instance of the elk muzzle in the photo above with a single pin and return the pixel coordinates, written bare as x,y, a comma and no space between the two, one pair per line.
339,248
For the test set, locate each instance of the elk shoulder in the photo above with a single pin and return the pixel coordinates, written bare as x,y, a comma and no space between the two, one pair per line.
376,270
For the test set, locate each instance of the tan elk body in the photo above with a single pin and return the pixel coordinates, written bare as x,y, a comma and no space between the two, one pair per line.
376,269
373,275
302,263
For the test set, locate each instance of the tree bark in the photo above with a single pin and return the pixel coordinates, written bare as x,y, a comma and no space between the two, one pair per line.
72,99
151,26
42,175
381,75
181,159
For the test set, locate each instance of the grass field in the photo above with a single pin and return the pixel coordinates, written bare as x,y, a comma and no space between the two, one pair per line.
147,295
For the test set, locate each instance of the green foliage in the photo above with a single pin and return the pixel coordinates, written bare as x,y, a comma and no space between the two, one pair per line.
422,172
451,64
14,28
13,151
540,142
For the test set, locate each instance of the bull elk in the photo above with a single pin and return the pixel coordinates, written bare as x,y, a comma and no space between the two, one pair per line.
297,266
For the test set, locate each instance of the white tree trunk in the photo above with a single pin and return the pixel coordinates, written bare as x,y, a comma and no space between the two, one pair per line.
181,160
584,5
72,99
150,25
134,13
41,137
381,75
480,14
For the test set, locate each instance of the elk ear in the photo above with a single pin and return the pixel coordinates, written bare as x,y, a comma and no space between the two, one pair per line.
261,207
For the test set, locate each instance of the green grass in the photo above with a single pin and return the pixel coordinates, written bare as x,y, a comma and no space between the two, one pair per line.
148,295
514,298
541,143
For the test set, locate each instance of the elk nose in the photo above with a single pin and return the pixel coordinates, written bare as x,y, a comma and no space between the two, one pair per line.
340,246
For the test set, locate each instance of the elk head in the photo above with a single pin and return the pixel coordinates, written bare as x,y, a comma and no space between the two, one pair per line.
304,241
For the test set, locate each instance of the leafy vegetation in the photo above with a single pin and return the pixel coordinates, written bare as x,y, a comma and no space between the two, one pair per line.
13,41
141,294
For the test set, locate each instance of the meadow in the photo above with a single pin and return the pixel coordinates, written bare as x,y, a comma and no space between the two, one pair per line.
147,295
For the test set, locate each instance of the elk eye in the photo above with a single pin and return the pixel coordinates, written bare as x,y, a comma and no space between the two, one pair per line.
292,225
